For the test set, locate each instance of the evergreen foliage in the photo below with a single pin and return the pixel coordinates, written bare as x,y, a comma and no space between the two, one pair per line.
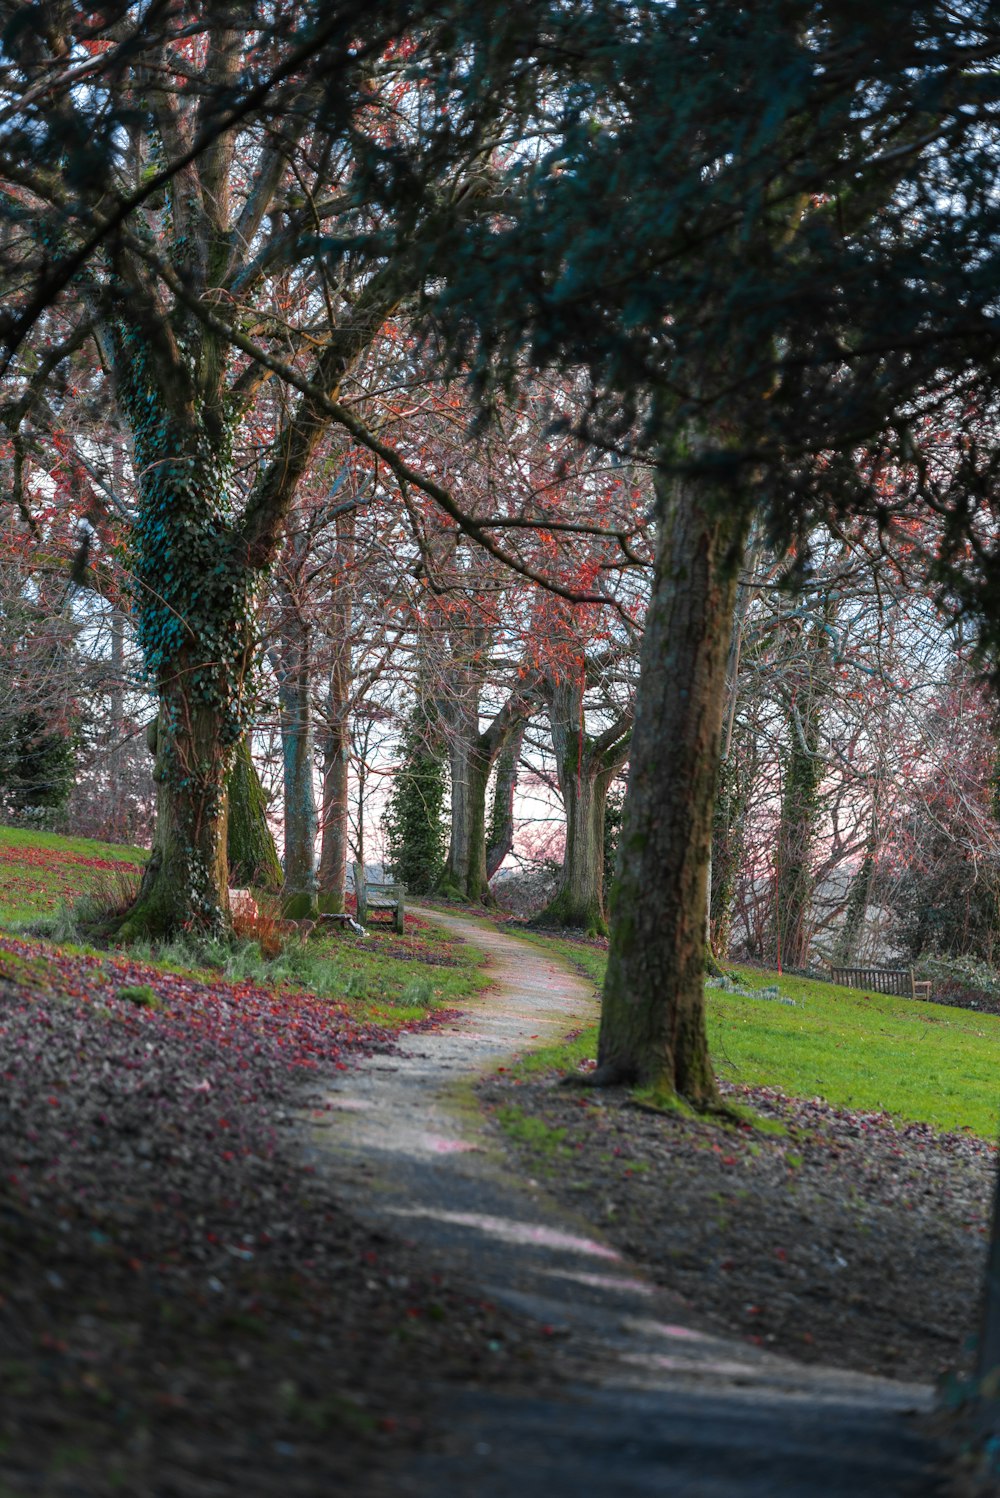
612,830
413,818
36,767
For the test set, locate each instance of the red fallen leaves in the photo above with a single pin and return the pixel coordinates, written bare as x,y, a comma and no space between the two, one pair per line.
56,874
165,1090
57,858
308,1030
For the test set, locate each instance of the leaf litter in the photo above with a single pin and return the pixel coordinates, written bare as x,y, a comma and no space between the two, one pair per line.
184,1306
850,1239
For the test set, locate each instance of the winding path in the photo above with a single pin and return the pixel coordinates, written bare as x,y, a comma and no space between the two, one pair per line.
653,1405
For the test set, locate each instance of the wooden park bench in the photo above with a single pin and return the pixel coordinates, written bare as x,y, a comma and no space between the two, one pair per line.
883,980
375,895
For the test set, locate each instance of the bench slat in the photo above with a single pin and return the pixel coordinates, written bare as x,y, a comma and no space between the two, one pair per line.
887,980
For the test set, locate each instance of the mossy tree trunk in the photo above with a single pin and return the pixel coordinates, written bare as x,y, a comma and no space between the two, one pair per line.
196,645
586,766
799,818
301,819
252,855
653,1010
500,832
847,945
197,574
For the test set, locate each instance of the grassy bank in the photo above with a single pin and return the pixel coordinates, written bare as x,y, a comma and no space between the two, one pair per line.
920,1062
385,977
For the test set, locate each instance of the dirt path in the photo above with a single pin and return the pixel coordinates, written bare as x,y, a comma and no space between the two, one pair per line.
651,1402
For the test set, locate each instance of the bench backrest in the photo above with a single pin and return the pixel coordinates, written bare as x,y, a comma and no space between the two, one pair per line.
385,895
898,981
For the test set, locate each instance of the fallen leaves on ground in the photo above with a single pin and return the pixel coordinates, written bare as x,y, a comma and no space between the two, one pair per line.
184,1307
851,1240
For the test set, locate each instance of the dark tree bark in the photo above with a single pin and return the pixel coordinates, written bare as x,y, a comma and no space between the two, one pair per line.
586,766
803,771
653,1012
471,756
252,856
336,729
500,834
294,669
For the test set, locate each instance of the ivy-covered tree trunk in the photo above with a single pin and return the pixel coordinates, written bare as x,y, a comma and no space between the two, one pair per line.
845,952
413,817
653,1010
196,645
728,848
253,857
301,820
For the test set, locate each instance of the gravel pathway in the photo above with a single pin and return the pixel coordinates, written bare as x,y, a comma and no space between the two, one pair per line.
648,1402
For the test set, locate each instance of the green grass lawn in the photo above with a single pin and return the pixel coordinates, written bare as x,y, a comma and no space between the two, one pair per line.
927,1063
39,871
389,978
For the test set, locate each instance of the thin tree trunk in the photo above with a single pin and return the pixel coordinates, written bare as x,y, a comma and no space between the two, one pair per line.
336,728
336,807
500,836
585,766
653,1012
794,880
301,821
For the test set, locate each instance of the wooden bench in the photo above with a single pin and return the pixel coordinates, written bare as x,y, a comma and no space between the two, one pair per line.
883,980
373,894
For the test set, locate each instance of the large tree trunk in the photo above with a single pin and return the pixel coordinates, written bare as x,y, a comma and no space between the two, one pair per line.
185,885
579,901
197,645
653,1012
253,858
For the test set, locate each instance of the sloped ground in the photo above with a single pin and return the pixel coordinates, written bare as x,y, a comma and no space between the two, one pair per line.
184,1307
650,1400
849,1240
